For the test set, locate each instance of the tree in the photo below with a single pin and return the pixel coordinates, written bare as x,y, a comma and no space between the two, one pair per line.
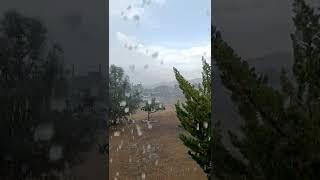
280,129
36,138
195,117
151,106
125,99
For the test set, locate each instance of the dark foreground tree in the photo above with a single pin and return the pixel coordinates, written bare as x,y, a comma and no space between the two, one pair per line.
280,128
42,129
194,115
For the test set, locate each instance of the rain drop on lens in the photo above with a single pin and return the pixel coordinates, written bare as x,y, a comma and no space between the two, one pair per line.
143,176
116,133
205,124
44,132
55,153
123,103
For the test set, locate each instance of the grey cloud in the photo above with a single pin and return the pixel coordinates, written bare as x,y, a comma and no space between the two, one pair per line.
155,55
254,27
84,47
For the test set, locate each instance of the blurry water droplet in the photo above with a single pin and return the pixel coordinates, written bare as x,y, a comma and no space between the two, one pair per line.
156,163
139,130
55,153
198,126
110,160
205,124
127,94
117,174
143,176
123,103
122,129
149,146
126,110
131,131
44,132
149,101
149,125
116,133
143,150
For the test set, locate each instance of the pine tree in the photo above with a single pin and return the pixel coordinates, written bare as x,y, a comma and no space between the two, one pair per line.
280,128
194,115
35,138
125,98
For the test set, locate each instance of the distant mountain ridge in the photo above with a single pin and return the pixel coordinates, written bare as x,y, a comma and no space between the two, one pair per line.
173,83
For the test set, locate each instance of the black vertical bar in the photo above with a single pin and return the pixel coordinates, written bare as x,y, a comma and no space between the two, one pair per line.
106,37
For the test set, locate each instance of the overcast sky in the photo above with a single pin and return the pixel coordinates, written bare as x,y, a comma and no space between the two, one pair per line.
175,32
256,27
150,37
79,26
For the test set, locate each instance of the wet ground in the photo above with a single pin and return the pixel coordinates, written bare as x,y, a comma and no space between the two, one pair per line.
143,150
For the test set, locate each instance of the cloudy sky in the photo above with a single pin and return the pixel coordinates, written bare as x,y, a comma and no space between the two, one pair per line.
149,37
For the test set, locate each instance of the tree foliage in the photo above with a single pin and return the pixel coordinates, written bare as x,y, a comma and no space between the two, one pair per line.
280,128
35,137
195,117
125,98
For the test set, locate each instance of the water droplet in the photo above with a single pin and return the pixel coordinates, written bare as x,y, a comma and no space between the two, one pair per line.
123,103
149,125
139,130
149,146
116,133
55,153
143,150
143,176
126,110
156,163
44,132
198,126
110,160
117,174
205,124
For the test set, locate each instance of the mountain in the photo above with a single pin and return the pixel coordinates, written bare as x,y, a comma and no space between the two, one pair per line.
173,83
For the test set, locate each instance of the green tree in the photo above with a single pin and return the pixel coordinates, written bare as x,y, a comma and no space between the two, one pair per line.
125,98
195,117
280,128
151,106
36,138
